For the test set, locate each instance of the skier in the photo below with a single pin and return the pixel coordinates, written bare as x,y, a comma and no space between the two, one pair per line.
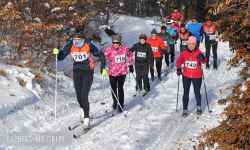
158,48
176,16
183,34
166,37
192,58
117,54
211,36
83,69
195,28
172,32
143,56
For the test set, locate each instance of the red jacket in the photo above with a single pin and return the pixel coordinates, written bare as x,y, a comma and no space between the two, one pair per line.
156,45
176,16
192,66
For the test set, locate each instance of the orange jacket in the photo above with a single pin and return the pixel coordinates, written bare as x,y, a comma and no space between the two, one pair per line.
156,45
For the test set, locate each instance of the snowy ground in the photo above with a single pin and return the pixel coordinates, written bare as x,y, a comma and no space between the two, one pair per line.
151,123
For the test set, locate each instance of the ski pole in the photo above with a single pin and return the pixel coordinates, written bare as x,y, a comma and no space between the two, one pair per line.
177,92
56,89
210,111
138,87
157,76
125,115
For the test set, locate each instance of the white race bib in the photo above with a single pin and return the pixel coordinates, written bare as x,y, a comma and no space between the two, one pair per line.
140,54
184,42
155,49
191,64
80,56
212,37
120,58
166,43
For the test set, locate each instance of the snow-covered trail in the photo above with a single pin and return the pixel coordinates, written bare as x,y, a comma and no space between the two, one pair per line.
152,123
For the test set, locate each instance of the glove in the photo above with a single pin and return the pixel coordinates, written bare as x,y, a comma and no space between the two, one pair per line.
55,51
175,42
131,68
179,72
103,72
200,57
162,51
201,40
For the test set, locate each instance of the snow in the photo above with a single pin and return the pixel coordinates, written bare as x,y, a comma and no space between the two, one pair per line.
151,123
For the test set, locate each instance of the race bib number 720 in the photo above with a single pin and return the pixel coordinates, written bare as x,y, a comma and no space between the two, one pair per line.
191,64
80,56
120,58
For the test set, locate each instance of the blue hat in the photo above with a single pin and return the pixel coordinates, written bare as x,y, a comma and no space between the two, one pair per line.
195,18
153,31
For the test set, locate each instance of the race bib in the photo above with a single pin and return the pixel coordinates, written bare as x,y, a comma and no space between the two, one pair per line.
80,56
184,42
191,64
212,37
140,54
166,43
120,58
155,49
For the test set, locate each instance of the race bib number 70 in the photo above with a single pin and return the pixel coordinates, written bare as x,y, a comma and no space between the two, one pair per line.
80,56
191,64
120,58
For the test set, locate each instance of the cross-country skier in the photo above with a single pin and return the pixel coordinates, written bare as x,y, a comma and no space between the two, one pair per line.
195,28
183,34
143,56
211,36
166,37
172,32
158,48
176,16
83,68
117,54
192,58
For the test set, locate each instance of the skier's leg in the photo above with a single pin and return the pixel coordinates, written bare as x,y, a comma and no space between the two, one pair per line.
113,83
197,87
214,47
138,71
145,77
121,80
186,86
208,46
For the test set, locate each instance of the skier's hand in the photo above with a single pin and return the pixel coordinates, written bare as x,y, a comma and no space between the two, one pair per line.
162,51
179,72
55,51
200,57
131,68
103,72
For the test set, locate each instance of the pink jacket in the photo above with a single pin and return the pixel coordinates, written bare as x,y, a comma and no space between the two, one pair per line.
117,60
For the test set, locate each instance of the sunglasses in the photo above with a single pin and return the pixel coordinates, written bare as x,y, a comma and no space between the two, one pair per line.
116,42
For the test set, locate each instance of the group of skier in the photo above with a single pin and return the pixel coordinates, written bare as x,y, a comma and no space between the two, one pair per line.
147,52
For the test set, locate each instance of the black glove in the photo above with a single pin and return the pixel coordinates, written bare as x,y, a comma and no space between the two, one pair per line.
101,70
179,72
200,57
162,51
131,68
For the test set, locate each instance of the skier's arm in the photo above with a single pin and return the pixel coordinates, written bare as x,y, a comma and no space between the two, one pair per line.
97,53
63,53
130,57
133,48
181,18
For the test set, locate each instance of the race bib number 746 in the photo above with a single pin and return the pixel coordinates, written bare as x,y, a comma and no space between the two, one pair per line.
120,58
191,64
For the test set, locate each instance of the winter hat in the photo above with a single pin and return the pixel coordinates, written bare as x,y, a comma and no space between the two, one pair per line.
191,39
79,35
117,37
163,28
195,18
153,31
183,26
175,8
143,36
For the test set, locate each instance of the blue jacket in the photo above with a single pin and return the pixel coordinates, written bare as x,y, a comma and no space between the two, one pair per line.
195,29
171,32
84,65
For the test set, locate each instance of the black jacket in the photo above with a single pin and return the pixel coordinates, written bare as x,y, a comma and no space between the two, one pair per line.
143,53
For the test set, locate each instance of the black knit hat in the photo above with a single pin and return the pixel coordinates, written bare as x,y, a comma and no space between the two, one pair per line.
163,28
143,36
79,35
175,8
183,26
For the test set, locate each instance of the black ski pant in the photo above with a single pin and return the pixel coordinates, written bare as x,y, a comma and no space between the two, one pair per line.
172,53
158,61
186,86
141,71
82,82
214,48
114,82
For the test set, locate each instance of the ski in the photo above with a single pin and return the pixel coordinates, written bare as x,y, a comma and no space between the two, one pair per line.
76,136
73,127
144,94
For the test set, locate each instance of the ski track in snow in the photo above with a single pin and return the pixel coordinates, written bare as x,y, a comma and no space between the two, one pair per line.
150,124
